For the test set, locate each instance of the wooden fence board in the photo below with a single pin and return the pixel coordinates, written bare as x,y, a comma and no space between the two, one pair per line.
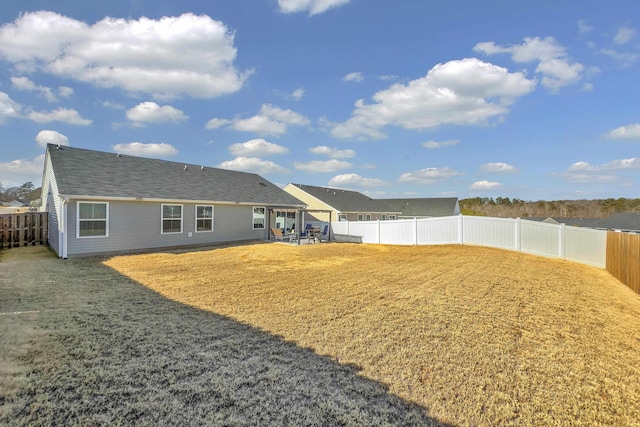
623,258
23,229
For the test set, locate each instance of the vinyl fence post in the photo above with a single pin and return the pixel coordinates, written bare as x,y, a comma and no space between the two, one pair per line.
460,229
378,221
561,242
518,234
415,230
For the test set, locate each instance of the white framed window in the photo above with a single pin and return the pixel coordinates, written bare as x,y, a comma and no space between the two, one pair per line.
392,217
368,217
171,219
204,218
384,217
259,217
92,219
342,217
360,217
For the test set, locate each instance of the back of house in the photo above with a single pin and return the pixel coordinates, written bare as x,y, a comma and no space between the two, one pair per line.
100,202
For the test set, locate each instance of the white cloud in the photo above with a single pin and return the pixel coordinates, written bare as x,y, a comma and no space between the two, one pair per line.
428,175
624,35
173,56
256,147
65,91
112,105
313,6
145,150
45,137
151,112
270,120
349,180
26,84
583,27
333,153
484,185
553,64
297,94
8,107
625,58
585,173
253,164
631,131
356,77
17,172
322,166
463,92
498,168
439,144
64,115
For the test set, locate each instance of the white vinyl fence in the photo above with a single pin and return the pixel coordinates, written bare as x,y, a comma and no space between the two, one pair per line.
577,244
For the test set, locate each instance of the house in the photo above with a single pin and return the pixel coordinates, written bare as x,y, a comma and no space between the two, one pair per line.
101,202
574,222
17,204
627,222
423,207
333,204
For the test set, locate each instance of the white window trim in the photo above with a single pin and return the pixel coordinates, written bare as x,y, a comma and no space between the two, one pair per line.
212,217
368,217
78,220
342,217
253,222
162,218
360,217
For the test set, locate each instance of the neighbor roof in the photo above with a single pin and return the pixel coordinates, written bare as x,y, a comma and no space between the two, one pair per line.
345,200
620,221
444,206
81,172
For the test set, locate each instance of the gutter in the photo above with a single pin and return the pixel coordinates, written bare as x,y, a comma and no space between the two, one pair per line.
68,197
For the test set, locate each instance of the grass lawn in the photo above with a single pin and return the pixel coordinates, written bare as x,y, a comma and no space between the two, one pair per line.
475,336
331,334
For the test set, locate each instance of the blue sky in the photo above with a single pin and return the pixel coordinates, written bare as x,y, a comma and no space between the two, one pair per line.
537,100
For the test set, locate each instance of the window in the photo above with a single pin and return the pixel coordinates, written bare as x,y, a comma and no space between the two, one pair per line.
360,217
392,217
93,219
171,219
204,218
342,217
258,218
368,217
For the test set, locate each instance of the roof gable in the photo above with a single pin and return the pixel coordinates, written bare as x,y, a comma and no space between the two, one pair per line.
81,172
344,200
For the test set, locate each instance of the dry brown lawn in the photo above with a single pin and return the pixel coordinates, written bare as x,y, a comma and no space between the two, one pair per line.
477,336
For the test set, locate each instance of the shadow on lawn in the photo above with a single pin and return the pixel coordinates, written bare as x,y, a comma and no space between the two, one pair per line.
118,353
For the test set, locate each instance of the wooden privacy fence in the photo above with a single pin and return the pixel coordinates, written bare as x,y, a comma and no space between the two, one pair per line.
623,258
23,229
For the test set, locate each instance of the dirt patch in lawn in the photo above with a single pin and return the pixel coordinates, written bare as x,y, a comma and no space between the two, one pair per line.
477,336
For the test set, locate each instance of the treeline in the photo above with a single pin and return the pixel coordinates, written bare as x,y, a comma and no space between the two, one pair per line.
26,192
506,207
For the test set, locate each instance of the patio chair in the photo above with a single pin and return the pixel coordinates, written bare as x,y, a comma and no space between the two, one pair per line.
324,232
278,235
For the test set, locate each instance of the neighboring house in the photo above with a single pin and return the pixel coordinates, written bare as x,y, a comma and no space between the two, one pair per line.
102,202
423,207
355,206
17,204
628,222
574,222
333,204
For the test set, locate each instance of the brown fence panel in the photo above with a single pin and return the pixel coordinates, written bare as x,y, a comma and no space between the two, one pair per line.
623,258
23,229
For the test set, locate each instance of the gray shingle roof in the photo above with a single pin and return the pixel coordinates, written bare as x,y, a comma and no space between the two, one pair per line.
81,172
429,207
345,200
621,221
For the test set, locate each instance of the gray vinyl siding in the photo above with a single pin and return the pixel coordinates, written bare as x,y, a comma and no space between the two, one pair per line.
136,226
51,203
